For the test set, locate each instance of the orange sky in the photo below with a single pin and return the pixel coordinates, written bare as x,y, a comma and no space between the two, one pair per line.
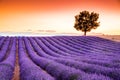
58,15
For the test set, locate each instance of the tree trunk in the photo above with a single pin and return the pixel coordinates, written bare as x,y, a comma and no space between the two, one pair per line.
85,33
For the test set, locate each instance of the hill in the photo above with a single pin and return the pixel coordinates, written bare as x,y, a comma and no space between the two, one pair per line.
59,58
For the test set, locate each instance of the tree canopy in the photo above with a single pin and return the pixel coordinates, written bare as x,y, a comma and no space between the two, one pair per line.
86,21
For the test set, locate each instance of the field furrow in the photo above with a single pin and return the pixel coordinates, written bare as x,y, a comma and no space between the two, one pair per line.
59,58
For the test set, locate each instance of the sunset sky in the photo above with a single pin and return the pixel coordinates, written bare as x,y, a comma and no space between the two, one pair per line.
57,16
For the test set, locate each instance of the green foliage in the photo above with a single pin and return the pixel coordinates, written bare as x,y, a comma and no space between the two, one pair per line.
86,21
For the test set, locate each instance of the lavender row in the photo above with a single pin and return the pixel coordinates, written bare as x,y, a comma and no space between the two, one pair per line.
93,68
91,46
98,40
83,52
91,43
103,64
8,64
61,72
63,48
90,68
4,49
1,41
28,70
99,54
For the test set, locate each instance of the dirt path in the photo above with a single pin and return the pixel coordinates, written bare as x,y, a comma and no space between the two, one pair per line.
17,68
111,37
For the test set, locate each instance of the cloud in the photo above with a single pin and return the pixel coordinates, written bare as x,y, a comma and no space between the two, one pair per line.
50,31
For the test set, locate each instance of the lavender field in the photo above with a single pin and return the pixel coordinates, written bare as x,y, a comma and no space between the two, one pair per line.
60,58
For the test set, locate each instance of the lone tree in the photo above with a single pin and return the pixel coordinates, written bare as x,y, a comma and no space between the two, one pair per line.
86,21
